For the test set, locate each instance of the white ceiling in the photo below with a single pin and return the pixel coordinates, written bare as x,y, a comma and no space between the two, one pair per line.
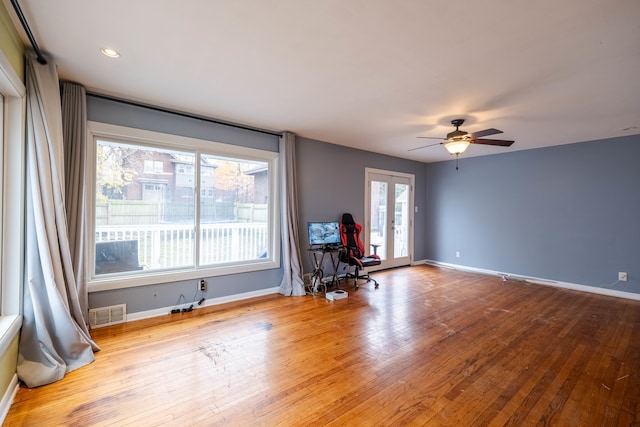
370,74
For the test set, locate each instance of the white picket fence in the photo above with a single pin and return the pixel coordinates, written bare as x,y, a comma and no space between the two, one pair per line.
163,246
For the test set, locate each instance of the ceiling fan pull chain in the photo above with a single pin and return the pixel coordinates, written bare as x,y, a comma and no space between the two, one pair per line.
456,162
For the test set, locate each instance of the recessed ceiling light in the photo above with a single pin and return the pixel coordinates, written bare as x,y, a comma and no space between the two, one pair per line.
109,52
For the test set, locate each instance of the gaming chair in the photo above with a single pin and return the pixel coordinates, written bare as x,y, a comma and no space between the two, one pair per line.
354,249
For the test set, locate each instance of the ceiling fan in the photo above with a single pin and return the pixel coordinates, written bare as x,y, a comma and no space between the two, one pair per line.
457,141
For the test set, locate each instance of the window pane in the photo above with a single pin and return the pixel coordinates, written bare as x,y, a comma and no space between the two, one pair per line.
1,187
233,210
378,233
401,221
145,209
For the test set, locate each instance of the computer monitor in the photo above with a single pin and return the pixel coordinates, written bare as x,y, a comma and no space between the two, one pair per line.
324,233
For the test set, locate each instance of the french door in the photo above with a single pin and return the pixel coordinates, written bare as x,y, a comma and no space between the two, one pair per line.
389,217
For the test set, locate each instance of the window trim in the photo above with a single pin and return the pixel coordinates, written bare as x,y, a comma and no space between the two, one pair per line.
98,130
13,158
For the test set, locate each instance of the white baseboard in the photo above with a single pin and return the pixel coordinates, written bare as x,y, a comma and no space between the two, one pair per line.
537,280
7,399
207,302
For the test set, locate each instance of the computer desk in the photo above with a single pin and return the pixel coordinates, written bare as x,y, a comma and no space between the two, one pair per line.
318,280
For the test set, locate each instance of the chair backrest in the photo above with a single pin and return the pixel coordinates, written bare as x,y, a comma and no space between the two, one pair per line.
350,236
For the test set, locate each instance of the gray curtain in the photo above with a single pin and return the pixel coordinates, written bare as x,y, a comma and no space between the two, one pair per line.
74,132
292,283
54,339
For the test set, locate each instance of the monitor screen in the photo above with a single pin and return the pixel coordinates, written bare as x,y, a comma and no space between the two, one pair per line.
324,233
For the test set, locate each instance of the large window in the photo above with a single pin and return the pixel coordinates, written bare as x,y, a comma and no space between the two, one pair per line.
171,208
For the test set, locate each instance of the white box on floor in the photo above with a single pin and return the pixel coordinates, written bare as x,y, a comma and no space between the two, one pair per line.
336,295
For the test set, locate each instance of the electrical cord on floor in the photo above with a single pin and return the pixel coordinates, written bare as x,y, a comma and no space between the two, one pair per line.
175,307
182,300
201,300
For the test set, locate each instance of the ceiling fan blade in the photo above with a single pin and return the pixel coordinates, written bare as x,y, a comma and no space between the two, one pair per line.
425,146
485,132
498,142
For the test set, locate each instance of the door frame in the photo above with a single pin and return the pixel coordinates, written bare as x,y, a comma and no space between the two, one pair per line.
367,208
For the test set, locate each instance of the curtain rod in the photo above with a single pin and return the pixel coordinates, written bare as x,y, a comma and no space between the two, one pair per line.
182,114
23,20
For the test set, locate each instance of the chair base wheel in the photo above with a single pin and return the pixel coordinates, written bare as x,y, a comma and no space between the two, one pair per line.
355,278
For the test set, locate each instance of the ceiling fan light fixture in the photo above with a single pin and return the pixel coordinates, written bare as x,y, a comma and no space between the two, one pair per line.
111,53
457,147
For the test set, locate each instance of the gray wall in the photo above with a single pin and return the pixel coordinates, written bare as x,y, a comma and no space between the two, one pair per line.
569,213
331,181
123,114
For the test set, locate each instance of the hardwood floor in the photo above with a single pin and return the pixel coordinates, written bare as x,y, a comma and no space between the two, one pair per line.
431,346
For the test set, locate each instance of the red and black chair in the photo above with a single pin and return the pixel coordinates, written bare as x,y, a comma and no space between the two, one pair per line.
353,253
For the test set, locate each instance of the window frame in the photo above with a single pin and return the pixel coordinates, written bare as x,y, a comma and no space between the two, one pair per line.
126,135
13,170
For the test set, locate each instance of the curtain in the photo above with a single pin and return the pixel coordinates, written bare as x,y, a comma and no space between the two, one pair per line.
292,283
54,338
74,133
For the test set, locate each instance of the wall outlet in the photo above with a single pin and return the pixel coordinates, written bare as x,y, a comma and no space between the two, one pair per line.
202,285
457,254
622,276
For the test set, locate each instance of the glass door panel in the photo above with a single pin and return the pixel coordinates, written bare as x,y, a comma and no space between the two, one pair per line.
401,221
378,233
389,227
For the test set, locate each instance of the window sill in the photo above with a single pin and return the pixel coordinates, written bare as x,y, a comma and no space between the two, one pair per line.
9,328
157,277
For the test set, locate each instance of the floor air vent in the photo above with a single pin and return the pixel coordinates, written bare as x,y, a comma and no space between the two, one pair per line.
105,316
